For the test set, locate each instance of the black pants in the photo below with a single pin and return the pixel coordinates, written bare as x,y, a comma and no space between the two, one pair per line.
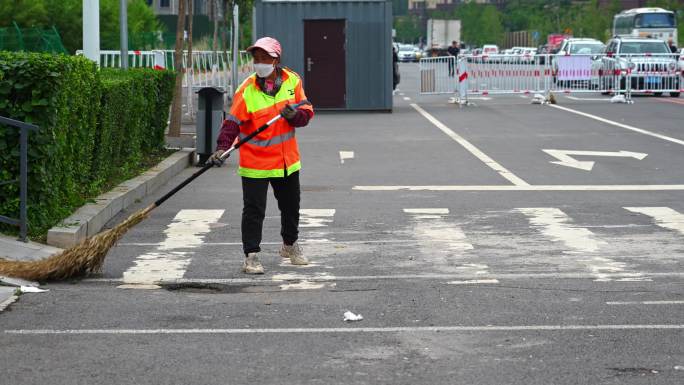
254,194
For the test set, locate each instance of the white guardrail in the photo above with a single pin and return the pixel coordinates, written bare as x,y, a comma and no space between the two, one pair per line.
544,74
209,68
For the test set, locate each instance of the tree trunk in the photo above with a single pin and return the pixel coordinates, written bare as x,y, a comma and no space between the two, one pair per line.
177,105
191,12
214,7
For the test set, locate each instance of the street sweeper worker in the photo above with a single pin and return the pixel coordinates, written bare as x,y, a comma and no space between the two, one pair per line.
271,157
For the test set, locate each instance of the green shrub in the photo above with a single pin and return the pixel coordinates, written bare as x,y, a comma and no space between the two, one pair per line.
61,95
132,120
97,129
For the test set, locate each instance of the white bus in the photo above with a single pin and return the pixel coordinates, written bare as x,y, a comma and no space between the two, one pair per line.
655,23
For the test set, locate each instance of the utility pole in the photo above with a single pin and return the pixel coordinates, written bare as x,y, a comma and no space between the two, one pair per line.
123,22
91,30
236,48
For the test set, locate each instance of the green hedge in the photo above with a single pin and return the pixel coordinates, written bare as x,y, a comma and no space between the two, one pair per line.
95,128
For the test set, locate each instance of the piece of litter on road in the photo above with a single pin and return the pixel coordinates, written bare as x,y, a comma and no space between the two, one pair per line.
618,99
349,316
32,289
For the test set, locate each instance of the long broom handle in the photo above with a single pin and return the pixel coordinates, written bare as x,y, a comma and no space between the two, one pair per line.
224,156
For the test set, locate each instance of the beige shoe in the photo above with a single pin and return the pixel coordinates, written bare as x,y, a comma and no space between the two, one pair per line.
252,265
294,252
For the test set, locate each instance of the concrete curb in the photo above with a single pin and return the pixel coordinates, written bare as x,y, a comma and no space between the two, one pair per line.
88,220
7,297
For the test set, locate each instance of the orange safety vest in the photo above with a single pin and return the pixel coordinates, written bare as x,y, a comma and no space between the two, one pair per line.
274,152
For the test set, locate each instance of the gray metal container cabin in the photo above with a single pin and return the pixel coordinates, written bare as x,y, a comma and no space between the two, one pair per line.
342,49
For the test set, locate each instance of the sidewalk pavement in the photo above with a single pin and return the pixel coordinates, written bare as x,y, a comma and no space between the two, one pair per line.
11,248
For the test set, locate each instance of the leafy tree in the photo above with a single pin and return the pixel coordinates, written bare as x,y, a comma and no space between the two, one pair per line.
67,17
407,28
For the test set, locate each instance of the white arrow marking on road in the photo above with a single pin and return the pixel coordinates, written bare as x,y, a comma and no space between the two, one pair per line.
346,155
564,158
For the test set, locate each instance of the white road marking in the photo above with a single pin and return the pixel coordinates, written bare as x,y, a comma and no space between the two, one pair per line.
564,158
346,155
186,231
524,96
424,213
408,277
472,149
588,99
645,303
429,225
407,98
556,225
473,281
442,244
600,187
315,217
600,119
351,329
663,216
304,281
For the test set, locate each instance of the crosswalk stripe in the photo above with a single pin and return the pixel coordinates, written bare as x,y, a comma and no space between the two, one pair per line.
663,216
315,217
430,225
186,231
556,225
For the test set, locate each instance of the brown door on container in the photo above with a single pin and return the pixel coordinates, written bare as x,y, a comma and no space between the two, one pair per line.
324,63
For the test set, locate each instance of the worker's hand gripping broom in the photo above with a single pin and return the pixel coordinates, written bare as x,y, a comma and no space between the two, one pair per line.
88,256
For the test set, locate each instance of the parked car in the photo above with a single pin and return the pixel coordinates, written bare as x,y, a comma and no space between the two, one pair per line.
406,53
490,49
650,62
592,49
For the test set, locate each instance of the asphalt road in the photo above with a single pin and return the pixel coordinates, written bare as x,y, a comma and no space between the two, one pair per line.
472,257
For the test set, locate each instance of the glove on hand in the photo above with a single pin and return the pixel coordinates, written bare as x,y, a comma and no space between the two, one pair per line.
215,158
288,112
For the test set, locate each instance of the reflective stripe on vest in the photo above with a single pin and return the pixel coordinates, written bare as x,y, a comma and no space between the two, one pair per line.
277,173
270,142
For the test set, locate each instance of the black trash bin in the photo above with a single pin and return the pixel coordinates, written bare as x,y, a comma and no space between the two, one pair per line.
209,119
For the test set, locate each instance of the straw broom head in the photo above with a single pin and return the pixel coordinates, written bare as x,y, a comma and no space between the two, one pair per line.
85,258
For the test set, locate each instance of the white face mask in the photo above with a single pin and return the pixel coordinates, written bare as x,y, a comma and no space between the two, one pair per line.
263,70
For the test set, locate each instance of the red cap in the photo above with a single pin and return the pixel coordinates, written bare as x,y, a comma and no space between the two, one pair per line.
268,44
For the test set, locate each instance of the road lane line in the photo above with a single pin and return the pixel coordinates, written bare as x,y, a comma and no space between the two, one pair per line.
645,303
407,98
186,231
351,329
406,277
635,129
473,282
472,149
588,99
636,187
662,216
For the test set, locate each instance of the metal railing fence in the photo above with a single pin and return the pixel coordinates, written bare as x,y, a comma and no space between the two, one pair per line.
545,74
209,68
22,221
